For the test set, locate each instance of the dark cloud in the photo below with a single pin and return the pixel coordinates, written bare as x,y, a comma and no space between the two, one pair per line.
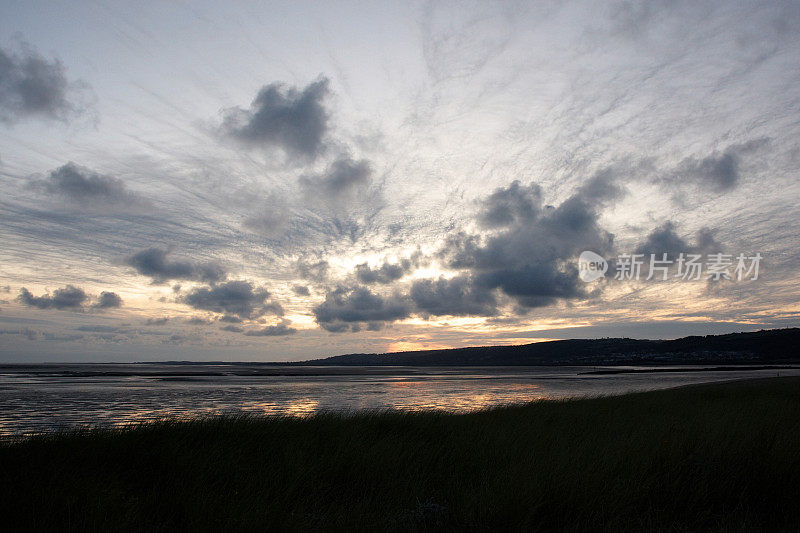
157,321
531,257
153,262
518,205
237,298
460,249
232,328
348,307
536,285
86,187
604,186
345,179
108,300
30,85
456,296
390,272
505,206
301,290
198,321
70,297
664,239
386,273
718,171
279,329
286,117
705,241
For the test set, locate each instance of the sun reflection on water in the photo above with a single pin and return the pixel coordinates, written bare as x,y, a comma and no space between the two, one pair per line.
30,404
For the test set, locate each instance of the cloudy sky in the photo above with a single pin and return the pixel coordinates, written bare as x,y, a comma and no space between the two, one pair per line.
279,181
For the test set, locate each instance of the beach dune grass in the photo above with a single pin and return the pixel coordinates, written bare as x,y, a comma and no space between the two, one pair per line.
710,457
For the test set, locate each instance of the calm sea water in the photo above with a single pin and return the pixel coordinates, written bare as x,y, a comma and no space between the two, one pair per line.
36,398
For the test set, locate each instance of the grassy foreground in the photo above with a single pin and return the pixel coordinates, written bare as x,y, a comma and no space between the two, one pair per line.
712,457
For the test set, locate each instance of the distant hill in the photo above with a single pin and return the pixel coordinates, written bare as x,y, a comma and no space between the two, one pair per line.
766,346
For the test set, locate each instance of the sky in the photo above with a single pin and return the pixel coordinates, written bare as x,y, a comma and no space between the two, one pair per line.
276,181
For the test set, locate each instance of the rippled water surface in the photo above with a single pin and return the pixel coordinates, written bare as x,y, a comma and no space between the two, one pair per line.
42,397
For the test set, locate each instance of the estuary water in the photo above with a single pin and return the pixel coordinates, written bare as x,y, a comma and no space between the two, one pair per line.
35,398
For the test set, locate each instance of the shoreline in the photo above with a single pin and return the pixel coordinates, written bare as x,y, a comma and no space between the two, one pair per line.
16,427
728,368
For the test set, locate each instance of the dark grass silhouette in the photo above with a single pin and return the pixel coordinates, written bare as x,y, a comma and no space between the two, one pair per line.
711,457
